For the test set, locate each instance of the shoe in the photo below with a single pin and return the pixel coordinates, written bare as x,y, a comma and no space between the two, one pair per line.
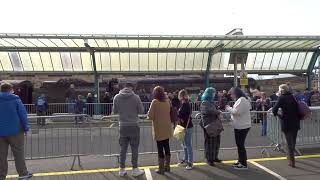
167,164
137,172
161,169
210,163
217,161
235,164
189,166
29,175
182,163
122,172
292,163
240,167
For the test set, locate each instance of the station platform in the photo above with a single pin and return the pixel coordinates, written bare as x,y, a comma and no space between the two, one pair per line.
308,168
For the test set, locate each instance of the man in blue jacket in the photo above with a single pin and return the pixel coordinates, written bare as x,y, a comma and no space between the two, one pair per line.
13,127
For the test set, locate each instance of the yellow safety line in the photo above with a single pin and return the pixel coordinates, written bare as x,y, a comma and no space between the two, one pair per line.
153,167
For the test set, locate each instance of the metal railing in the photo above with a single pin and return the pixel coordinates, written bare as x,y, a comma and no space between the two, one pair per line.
104,108
308,135
89,139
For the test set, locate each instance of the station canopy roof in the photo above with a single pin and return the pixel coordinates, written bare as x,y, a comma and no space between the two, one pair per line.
125,54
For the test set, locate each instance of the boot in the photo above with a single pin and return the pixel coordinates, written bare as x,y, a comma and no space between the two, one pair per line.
161,166
292,162
167,164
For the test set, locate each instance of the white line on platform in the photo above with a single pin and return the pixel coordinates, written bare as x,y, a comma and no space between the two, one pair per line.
148,174
268,170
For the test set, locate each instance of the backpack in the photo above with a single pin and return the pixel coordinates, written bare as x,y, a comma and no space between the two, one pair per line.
303,110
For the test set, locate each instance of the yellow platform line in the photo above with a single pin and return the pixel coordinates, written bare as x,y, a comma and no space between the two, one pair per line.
153,167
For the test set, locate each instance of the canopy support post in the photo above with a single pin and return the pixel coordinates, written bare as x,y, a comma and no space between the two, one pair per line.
211,53
207,73
311,67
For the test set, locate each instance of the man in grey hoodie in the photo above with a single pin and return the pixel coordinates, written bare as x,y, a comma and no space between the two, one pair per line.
128,105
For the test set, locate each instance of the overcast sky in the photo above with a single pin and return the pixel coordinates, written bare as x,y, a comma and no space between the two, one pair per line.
184,17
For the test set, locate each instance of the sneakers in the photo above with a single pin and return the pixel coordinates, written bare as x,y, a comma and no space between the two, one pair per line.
189,166
26,177
122,172
183,163
239,166
137,172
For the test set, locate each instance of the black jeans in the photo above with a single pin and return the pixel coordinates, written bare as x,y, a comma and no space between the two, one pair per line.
240,136
163,148
291,137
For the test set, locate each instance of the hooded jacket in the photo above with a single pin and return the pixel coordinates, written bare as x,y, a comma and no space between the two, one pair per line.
128,105
13,115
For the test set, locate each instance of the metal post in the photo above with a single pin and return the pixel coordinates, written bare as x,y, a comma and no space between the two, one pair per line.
96,84
207,75
235,74
242,70
309,81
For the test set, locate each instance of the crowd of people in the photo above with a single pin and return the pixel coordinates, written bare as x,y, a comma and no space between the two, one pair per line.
128,105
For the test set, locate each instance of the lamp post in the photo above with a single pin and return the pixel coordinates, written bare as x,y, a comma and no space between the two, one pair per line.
96,77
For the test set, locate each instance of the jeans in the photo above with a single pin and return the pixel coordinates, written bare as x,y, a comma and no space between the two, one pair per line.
16,143
240,136
291,138
71,106
187,146
163,148
134,144
41,121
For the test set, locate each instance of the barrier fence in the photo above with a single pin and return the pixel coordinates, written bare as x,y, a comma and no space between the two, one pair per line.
87,139
104,108
308,135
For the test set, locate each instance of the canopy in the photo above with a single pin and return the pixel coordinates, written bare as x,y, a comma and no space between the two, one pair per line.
125,54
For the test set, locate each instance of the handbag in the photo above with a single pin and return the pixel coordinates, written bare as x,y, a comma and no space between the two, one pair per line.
214,128
180,132
303,110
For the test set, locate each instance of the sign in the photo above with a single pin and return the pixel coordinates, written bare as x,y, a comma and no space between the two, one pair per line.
244,79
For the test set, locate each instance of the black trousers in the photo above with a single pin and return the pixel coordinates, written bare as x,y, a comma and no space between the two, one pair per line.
291,138
240,136
211,147
163,148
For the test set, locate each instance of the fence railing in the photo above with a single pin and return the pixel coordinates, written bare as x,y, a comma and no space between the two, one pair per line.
80,140
104,108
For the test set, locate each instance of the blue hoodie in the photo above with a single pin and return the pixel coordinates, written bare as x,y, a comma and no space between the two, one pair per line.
13,115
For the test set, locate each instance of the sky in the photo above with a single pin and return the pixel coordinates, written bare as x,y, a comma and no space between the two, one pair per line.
161,17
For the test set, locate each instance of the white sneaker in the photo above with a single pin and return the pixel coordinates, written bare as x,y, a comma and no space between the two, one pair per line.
122,172
137,172
189,166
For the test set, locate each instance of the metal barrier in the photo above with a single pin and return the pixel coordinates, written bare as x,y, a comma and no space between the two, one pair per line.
88,139
308,135
105,108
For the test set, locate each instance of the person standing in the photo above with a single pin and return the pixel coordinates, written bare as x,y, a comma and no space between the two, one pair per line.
184,115
107,99
263,104
71,97
128,105
80,109
13,127
159,114
41,107
315,98
241,120
90,104
290,121
210,114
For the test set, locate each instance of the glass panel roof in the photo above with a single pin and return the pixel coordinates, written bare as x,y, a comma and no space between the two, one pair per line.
130,53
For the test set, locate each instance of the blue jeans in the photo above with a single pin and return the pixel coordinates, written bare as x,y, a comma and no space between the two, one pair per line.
187,146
